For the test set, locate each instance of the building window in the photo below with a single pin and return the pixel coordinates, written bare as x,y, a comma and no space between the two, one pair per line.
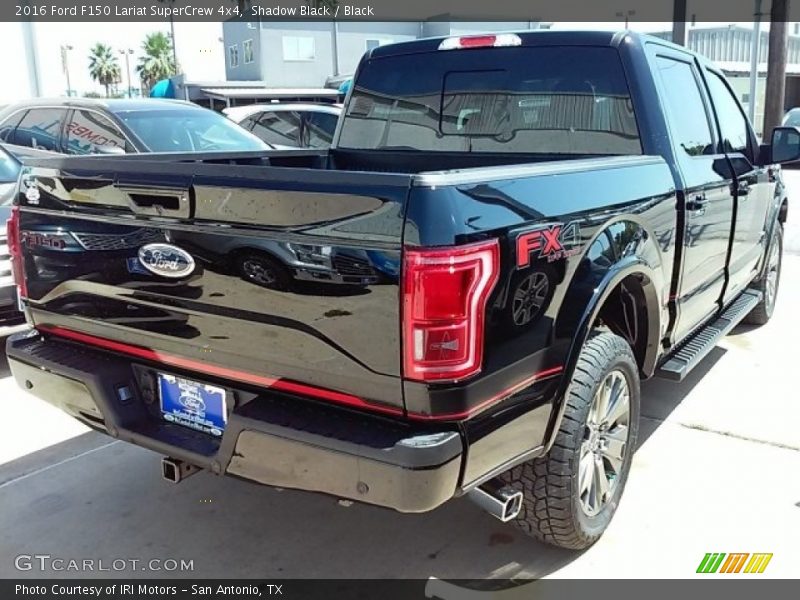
247,49
745,98
233,56
298,48
797,28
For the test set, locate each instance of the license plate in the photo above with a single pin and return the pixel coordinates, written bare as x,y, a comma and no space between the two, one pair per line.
192,404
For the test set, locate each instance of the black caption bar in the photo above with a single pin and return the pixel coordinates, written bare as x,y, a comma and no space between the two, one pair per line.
730,588
381,10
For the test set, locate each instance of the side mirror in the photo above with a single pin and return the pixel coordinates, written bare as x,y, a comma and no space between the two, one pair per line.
110,149
785,144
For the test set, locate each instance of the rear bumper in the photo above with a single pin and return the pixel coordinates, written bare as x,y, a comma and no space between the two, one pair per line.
270,438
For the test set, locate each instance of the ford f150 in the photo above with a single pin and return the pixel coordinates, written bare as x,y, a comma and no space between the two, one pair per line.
555,216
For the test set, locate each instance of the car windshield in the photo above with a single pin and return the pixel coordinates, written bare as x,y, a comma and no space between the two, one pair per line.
190,130
9,167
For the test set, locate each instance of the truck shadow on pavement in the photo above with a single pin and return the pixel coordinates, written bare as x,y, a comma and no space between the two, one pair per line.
92,497
660,397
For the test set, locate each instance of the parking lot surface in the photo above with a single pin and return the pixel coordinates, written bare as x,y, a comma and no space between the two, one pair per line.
717,470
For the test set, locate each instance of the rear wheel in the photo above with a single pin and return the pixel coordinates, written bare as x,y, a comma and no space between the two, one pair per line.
572,492
768,284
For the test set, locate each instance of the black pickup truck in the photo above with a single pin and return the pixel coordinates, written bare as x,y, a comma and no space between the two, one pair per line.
553,217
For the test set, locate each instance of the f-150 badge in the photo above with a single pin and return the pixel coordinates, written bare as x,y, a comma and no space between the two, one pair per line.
553,241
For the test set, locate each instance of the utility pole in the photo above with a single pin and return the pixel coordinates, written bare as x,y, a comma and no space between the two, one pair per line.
172,36
679,22
755,51
65,48
127,52
174,47
627,14
776,67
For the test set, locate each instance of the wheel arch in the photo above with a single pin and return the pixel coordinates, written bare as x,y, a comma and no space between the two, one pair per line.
636,270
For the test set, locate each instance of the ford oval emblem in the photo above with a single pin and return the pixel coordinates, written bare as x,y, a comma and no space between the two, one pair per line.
166,260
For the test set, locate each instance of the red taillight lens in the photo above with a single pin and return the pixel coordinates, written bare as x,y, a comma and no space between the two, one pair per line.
15,251
445,291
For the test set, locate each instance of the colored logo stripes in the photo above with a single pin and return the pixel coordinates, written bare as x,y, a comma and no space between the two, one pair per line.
734,563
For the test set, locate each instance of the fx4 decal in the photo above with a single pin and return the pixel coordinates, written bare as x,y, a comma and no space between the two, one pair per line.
554,241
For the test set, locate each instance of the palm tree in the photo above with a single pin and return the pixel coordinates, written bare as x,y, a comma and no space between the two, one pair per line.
104,66
157,61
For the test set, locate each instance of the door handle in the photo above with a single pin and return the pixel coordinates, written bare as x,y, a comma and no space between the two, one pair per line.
697,204
157,202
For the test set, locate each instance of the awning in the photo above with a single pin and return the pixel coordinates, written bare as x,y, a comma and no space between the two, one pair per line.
163,89
249,93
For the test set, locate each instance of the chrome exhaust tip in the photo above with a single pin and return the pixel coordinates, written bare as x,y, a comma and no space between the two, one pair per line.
176,470
501,501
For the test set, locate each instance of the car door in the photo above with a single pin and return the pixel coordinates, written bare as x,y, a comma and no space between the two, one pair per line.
705,206
40,128
279,128
752,187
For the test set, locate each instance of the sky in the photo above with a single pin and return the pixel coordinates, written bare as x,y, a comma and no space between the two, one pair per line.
200,51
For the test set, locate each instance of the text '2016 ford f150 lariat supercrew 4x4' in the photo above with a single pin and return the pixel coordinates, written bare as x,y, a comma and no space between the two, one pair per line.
549,218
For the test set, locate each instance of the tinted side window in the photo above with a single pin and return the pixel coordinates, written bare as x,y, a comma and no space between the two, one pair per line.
89,131
684,107
8,126
279,127
319,129
732,122
40,128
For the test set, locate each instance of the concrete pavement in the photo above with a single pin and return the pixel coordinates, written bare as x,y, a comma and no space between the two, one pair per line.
717,470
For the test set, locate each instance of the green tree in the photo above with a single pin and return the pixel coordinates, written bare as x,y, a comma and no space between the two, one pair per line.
157,60
104,66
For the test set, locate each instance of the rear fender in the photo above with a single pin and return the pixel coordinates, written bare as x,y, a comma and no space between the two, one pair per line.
635,253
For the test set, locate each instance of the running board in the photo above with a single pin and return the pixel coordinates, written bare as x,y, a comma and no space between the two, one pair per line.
690,353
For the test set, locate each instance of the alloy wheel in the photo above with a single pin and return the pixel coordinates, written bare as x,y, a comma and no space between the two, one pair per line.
605,441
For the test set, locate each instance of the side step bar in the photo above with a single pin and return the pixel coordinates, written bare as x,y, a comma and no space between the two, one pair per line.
691,352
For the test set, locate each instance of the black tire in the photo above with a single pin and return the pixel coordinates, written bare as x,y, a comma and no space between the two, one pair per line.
762,312
553,509
263,270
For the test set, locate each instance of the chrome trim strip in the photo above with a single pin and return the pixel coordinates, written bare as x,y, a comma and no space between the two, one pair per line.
559,167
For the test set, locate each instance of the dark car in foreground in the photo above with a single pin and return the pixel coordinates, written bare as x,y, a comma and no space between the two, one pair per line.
117,126
565,213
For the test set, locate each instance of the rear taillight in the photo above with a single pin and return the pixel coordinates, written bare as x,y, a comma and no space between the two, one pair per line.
15,250
445,291
480,41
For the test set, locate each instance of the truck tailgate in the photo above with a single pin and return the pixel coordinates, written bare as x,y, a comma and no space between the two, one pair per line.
287,274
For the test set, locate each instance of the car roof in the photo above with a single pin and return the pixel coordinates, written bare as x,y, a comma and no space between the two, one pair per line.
113,105
242,112
536,37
